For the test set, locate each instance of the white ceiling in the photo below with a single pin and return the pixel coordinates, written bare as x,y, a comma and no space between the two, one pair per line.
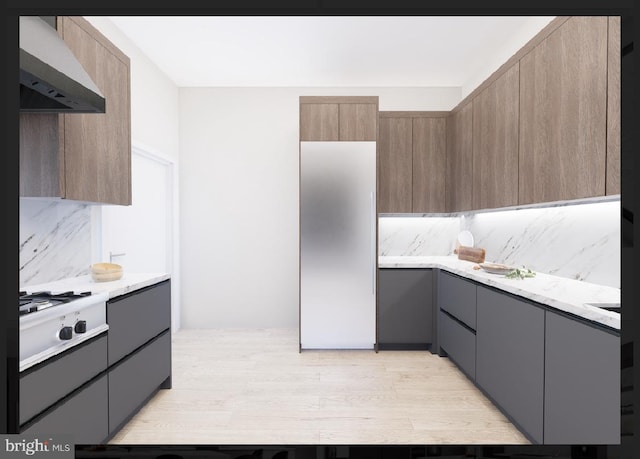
323,51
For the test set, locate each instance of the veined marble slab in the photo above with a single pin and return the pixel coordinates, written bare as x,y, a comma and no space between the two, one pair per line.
564,294
55,240
129,282
417,236
580,242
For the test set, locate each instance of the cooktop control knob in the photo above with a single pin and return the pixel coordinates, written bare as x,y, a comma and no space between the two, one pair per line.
81,326
65,333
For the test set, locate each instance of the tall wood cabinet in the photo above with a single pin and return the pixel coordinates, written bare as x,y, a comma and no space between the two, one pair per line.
495,143
412,162
83,157
395,164
459,161
338,118
429,164
563,114
614,61
545,126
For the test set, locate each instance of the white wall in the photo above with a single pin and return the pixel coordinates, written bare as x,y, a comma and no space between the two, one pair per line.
155,125
154,97
497,56
238,181
239,198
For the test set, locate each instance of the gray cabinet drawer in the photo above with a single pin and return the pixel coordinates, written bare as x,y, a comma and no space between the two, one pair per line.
84,415
405,314
136,318
582,383
135,378
459,343
510,357
458,297
42,386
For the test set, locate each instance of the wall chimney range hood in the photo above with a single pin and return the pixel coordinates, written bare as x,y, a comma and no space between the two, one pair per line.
52,80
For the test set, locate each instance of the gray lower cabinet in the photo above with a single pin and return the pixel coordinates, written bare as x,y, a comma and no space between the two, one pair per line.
44,385
555,377
458,342
582,383
139,349
94,388
457,321
510,358
405,308
137,317
136,378
457,296
83,415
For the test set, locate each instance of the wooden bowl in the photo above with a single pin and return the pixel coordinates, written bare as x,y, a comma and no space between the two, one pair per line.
105,272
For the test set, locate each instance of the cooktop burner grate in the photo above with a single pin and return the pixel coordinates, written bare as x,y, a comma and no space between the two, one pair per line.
38,301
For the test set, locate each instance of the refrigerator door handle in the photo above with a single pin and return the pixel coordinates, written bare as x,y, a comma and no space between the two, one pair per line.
373,243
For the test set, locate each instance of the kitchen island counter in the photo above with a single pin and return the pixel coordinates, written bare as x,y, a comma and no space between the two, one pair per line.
128,283
557,292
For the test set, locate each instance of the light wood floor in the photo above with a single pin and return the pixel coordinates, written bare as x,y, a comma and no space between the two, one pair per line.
254,387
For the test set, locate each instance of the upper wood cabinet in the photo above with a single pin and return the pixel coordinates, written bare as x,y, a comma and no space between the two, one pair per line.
358,121
612,184
411,162
83,157
495,143
459,160
338,118
395,165
563,114
429,164
319,122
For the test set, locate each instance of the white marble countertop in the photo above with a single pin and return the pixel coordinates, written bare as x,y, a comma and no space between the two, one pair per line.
558,292
127,283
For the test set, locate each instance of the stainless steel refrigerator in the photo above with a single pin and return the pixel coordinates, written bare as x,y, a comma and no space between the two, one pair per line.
338,245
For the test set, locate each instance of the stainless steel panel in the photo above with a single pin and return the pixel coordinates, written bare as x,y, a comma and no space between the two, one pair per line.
337,244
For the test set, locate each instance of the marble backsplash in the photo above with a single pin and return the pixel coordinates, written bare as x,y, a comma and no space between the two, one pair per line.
573,241
417,236
576,241
580,242
55,240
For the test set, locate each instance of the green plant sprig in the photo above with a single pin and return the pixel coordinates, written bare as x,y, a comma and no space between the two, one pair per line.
520,273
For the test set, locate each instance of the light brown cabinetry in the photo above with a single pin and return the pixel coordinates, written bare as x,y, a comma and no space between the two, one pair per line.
83,157
358,121
395,168
459,160
495,143
563,114
612,184
319,122
429,164
546,124
411,162
338,118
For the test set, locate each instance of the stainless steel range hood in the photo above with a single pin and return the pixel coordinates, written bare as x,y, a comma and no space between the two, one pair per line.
51,78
